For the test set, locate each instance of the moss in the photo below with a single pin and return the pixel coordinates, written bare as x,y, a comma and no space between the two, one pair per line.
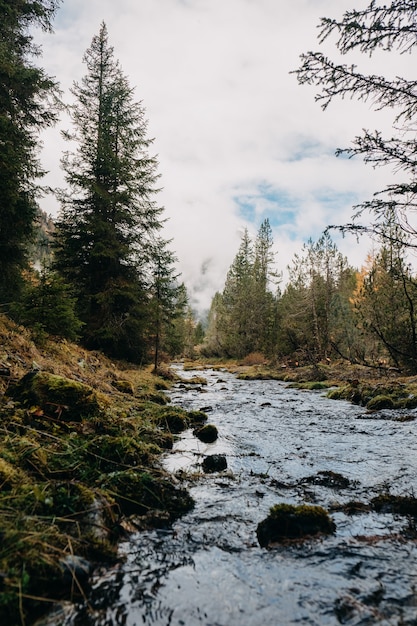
403,505
10,476
110,452
56,396
140,492
311,385
336,394
286,521
197,418
124,386
207,433
375,396
410,402
173,419
195,380
380,402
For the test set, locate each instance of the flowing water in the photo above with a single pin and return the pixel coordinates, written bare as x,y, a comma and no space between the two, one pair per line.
279,442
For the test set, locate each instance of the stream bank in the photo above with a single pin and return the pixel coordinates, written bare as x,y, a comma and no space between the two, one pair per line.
282,445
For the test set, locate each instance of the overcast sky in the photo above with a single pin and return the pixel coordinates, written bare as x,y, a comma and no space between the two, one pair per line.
237,139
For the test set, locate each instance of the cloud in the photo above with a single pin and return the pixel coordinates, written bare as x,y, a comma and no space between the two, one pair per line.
237,138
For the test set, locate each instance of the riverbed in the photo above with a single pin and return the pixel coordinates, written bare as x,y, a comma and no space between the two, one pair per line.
282,445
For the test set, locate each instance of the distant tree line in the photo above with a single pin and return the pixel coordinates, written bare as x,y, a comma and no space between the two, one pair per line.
328,310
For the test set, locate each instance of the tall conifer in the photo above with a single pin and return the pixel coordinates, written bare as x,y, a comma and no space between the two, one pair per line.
26,107
109,218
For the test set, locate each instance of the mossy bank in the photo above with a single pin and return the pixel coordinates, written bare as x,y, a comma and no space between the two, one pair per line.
80,442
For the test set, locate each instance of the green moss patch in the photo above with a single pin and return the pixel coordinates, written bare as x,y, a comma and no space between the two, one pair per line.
56,396
377,396
138,493
403,505
207,433
286,521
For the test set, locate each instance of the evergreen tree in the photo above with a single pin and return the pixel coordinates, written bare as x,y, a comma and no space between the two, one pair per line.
109,217
263,300
47,306
242,317
388,27
167,303
235,318
26,107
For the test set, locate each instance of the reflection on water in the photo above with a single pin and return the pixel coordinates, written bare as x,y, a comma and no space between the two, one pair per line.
209,569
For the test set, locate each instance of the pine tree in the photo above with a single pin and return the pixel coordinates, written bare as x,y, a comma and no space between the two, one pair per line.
26,107
168,298
242,317
263,300
109,218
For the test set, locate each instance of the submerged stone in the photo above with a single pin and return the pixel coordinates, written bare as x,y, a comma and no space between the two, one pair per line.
286,521
329,479
402,505
214,463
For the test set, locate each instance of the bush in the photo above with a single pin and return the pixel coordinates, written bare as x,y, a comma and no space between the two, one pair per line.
254,358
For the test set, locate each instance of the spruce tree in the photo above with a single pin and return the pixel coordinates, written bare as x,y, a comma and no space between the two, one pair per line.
26,107
109,218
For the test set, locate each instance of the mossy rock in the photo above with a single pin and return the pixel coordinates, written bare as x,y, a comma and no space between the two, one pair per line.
207,433
156,397
286,521
137,493
380,402
124,386
403,505
340,393
195,380
197,418
214,463
58,397
173,419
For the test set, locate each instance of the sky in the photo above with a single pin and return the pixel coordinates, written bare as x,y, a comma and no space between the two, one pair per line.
237,139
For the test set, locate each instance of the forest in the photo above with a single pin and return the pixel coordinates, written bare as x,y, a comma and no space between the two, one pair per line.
102,274
90,296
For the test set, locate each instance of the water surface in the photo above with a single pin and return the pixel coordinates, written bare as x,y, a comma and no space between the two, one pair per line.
209,569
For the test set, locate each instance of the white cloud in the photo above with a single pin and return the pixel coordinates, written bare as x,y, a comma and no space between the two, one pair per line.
228,118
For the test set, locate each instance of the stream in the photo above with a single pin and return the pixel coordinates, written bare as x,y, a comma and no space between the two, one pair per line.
281,445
